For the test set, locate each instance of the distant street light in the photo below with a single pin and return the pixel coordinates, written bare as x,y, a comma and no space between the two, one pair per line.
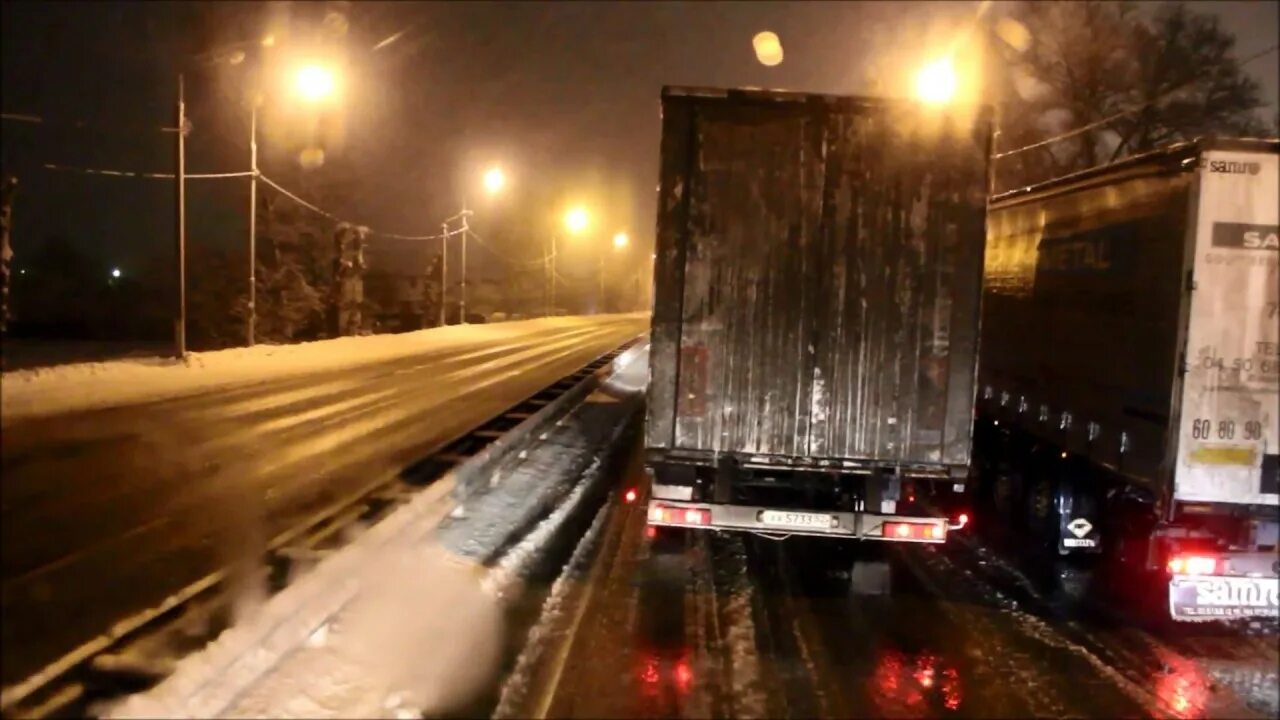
936,82
494,180
115,272
315,83
620,241
575,221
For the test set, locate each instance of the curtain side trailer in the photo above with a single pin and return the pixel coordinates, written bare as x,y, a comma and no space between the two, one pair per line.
1130,362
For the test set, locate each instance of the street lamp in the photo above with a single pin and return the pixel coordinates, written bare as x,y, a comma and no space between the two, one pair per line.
494,180
620,241
576,221
314,83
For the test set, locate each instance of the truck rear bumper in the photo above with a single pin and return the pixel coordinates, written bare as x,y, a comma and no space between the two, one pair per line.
783,522
1252,590
1197,598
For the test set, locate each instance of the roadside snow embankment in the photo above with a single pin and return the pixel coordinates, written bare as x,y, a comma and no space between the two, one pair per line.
84,386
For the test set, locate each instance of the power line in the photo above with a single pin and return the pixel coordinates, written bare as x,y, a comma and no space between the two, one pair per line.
1163,96
500,256
81,124
335,218
153,176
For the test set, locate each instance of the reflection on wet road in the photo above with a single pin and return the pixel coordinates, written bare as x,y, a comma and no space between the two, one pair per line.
737,626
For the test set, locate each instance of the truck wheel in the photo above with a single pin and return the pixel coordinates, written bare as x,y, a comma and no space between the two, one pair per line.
1041,523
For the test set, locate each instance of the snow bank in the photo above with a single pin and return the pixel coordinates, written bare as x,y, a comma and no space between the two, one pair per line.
83,386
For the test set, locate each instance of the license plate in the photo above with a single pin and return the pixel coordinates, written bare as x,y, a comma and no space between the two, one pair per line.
797,519
1223,597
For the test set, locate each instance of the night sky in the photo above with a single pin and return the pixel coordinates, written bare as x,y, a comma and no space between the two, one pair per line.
564,96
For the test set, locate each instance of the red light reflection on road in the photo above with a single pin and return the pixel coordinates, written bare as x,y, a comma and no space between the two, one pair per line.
905,685
657,671
1181,685
649,674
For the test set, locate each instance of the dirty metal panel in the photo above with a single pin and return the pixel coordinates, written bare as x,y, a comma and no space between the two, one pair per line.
902,244
753,221
1102,267
825,279
677,159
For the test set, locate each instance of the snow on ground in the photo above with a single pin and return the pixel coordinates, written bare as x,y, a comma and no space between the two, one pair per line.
555,615
82,386
405,617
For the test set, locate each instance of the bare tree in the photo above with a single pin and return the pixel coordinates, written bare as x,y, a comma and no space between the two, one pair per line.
1187,57
1143,83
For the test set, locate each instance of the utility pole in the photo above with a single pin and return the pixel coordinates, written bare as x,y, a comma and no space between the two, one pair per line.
600,297
253,219
552,261
444,249
462,298
180,322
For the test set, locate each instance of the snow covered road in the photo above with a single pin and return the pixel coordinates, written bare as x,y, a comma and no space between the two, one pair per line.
106,511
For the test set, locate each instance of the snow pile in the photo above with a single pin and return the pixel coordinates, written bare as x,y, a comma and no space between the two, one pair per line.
82,386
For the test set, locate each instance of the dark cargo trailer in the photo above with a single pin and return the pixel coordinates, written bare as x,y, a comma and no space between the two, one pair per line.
1130,367
815,319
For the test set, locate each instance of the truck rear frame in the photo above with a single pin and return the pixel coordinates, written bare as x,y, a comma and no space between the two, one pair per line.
817,283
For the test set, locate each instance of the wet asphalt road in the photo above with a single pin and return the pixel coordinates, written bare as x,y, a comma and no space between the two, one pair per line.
106,512
738,626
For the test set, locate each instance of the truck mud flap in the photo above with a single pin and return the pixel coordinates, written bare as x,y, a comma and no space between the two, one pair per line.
1078,519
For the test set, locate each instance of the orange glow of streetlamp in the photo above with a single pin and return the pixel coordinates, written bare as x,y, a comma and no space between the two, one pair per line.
315,83
494,180
576,220
936,82
620,240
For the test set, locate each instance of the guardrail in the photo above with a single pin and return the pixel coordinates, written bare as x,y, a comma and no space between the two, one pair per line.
101,670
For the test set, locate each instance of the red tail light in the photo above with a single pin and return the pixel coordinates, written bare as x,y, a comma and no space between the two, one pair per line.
914,531
630,496
650,532
694,516
1193,565
683,516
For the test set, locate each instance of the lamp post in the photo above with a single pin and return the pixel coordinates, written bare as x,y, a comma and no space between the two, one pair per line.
620,241
250,329
180,255
575,221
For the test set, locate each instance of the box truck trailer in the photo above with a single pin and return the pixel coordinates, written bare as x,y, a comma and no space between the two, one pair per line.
815,316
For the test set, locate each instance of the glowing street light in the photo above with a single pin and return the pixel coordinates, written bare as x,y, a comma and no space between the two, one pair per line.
115,272
494,180
620,240
936,82
315,83
576,220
